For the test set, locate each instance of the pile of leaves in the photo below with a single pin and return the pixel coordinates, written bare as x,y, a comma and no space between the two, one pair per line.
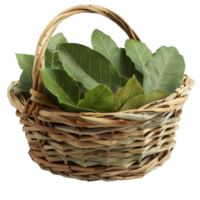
106,78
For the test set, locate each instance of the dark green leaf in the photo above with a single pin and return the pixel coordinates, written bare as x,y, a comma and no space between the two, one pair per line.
61,85
26,95
123,64
71,108
26,81
81,86
123,81
88,67
50,95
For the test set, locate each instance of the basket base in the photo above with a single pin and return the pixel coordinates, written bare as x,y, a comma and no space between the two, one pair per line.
115,174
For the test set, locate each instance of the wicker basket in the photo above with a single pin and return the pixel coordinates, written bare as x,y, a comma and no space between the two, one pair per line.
97,146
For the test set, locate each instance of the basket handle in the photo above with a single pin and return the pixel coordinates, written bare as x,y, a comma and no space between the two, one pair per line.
49,30
56,21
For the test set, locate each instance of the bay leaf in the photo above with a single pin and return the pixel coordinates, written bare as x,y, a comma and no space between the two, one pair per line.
99,99
50,96
25,60
130,90
61,85
26,95
25,65
124,65
51,53
141,100
123,81
71,108
138,53
17,88
26,81
88,66
83,93
164,70
104,44
81,86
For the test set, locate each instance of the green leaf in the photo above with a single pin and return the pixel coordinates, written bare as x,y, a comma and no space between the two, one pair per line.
99,99
108,48
71,108
50,95
139,101
83,93
26,95
81,86
51,53
123,81
130,90
103,44
61,85
17,88
25,60
123,64
88,66
26,81
138,52
25,65
164,70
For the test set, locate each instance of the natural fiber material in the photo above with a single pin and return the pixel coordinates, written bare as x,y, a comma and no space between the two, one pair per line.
97,146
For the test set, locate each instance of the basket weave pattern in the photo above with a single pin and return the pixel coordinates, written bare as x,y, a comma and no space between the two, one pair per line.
97,146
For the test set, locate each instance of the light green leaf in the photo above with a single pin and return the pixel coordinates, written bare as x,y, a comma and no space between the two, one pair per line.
164,70
88,66
130,90
123,64
99,99
51,53
61,85
138,52
139,101
25,60
103,44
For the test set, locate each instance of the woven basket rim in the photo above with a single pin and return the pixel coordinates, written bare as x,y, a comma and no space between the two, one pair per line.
155,106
